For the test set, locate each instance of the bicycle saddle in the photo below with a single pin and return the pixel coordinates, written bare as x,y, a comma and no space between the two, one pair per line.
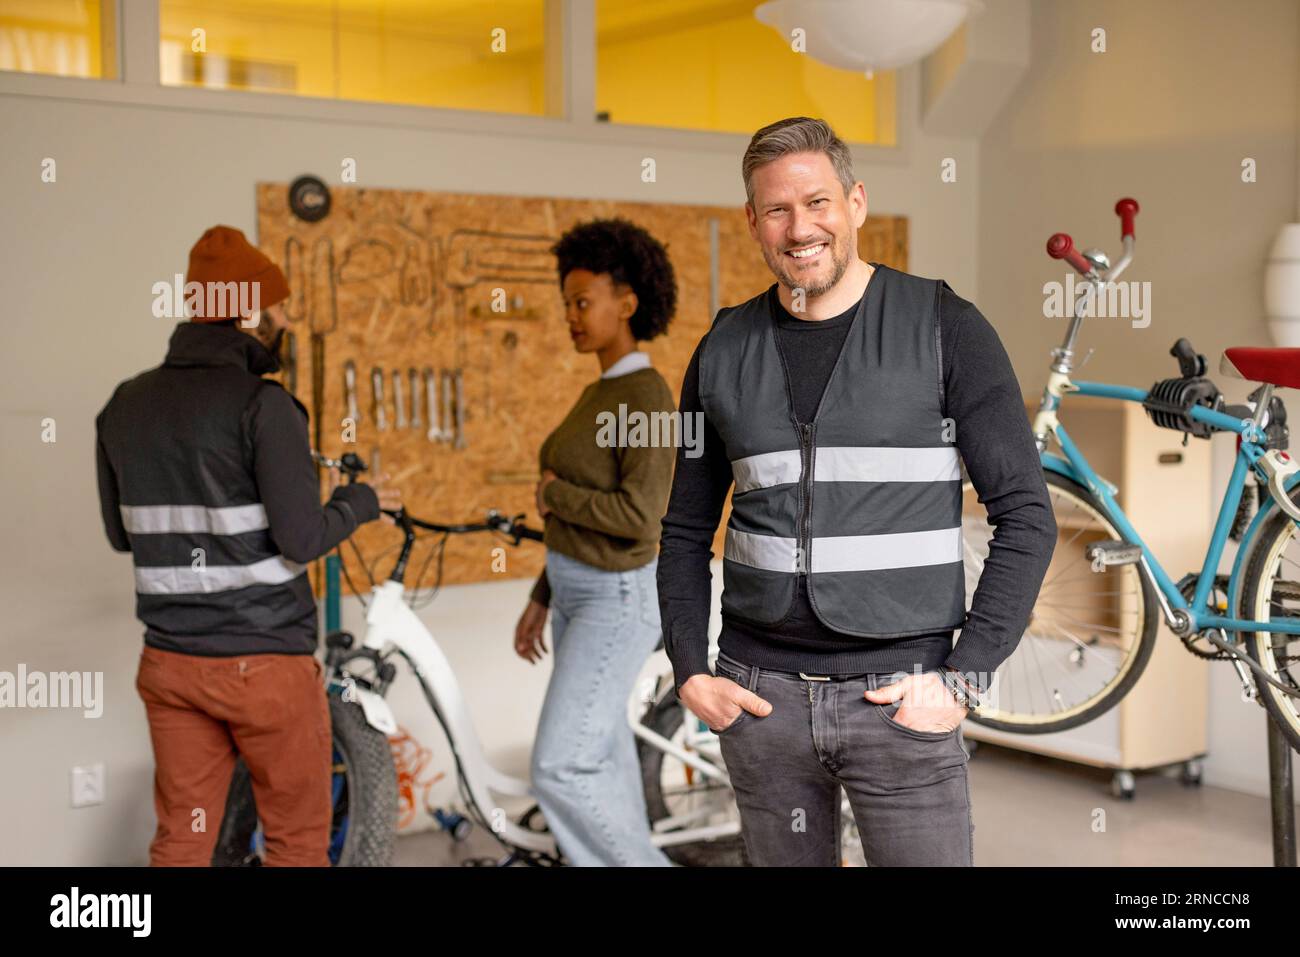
1279,367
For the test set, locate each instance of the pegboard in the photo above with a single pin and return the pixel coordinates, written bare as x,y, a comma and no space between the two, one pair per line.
405,280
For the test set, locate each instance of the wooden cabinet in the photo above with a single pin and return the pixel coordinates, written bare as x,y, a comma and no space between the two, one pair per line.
1165,489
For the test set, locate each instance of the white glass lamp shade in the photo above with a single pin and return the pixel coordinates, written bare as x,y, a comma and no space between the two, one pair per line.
868,34
1282,287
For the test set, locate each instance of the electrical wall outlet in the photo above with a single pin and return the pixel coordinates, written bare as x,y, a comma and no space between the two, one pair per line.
88,785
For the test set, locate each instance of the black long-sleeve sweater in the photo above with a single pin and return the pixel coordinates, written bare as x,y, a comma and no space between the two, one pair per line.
218,462
983,398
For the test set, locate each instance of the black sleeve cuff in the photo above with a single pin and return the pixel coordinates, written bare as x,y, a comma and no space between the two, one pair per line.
361,499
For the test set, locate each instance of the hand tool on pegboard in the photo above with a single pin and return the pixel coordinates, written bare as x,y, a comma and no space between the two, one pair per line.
434,434
323,318
350,393
417,422
399,402
289,353
377,398
448,407
481,258
295,307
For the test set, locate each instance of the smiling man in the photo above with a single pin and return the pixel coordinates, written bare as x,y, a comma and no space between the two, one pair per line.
840,403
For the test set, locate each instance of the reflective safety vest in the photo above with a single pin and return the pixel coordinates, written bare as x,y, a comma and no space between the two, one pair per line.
865,500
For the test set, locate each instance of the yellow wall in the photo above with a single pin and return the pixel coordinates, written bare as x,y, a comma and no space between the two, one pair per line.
690,64
60,37
687,64
426,52
705,65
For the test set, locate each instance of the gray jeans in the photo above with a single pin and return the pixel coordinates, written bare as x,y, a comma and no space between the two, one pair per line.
908,789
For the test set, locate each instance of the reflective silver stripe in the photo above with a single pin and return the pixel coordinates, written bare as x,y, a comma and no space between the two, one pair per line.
847,553
864,553
850,463
185,580
161,519
766,469
886,464
761,551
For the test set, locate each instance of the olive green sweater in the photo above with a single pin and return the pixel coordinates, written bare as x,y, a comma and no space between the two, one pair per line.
614,457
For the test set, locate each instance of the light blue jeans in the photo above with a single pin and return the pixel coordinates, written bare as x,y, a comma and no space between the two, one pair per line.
585,772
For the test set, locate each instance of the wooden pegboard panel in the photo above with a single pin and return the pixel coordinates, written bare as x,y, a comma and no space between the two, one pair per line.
401,280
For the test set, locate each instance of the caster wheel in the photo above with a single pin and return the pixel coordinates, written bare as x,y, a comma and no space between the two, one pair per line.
1192,773
1123,785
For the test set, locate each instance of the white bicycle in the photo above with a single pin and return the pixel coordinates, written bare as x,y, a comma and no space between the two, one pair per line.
692,809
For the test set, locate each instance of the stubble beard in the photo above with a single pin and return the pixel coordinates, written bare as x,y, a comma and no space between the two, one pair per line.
839,266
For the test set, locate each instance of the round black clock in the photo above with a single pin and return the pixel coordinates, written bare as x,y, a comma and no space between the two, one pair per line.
309,198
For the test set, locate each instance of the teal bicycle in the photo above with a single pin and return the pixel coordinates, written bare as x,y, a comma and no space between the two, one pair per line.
1094,625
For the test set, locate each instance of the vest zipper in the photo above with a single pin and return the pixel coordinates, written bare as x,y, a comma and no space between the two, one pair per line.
805,538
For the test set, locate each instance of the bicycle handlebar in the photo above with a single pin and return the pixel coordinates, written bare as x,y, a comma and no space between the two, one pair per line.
1061,246
496,522
1127,209
1096,270
514,528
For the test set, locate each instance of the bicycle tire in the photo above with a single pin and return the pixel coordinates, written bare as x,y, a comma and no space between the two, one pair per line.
1259,643
1114,692
370,793
665,718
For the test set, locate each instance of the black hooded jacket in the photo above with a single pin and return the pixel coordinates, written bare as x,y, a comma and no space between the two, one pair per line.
206,477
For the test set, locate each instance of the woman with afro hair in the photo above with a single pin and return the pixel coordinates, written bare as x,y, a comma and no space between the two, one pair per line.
602,493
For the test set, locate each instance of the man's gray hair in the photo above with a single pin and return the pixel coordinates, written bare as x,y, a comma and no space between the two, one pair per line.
796,134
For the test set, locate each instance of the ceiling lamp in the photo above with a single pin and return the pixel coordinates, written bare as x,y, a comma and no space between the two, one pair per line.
868,35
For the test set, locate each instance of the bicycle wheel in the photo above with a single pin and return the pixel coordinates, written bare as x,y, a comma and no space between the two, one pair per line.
677,791
1271,589
363,826
1090,634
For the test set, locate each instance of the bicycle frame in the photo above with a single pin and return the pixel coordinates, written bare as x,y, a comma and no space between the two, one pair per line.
1183,617
392,625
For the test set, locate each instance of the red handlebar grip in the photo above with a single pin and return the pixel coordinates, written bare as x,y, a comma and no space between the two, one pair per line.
1126,209
1061,246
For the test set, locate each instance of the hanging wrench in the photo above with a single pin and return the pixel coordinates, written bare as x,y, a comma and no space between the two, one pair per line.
414,376
447,406
350,390
377,393
399,405
431,402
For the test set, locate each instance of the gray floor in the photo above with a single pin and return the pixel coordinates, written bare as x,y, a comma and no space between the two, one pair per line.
1032,810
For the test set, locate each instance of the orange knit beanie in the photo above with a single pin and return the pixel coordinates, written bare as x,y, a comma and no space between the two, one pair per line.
223,256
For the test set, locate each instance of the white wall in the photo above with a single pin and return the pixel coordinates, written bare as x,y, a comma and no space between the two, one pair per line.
137,183
1186,90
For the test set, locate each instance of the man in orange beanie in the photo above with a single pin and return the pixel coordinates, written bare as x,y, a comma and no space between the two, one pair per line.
206,477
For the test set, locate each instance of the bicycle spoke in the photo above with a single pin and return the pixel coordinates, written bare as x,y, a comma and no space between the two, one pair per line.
1085,624
1091,651
1081,636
